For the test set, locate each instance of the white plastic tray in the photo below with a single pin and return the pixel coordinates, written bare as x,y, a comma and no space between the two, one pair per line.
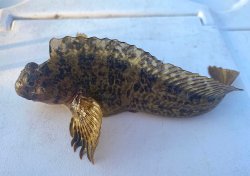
35,137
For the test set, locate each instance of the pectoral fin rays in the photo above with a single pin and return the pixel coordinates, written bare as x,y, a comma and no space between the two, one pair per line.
85,125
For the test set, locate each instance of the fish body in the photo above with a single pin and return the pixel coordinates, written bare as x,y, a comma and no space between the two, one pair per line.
122,77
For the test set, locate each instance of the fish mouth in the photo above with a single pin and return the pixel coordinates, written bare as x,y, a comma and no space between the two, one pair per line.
26,95
23,91
18,87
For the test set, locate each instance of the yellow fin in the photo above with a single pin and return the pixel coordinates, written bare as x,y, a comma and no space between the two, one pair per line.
225,76
85,125
81,35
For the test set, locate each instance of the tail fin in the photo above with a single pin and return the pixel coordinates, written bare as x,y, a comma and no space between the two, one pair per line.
224,76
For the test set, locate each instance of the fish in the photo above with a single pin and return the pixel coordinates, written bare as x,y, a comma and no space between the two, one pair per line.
96,78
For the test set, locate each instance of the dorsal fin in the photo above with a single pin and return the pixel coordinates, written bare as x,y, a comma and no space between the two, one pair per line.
54,45
63,45
225,76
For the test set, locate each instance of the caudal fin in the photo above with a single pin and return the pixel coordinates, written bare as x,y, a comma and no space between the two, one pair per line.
225,76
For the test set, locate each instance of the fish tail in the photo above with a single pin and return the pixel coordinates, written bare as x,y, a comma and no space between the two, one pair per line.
225,76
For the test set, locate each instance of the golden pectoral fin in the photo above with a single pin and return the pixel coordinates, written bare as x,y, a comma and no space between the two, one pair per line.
85,125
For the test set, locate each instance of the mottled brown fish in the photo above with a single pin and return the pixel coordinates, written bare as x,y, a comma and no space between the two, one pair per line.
99,77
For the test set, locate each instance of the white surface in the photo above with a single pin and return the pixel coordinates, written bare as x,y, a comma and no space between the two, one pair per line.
35,138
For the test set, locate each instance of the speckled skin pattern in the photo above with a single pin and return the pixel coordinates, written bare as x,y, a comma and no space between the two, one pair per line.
120,77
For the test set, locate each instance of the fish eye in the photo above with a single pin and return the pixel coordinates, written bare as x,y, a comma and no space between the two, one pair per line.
31,80
31,66
31,83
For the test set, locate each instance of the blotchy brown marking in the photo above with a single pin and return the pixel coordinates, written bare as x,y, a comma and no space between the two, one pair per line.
122,77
